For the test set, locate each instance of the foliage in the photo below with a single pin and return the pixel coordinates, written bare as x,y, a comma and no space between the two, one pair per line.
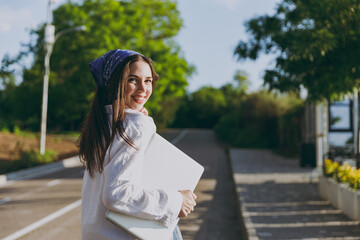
6,126
251,121
35,156
28,159
204,108
261,120
330,168
316,44
290,124
256,120
7,79
201,109
354,179
242,82
145,26
343,173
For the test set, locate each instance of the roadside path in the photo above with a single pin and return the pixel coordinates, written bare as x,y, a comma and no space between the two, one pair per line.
215,216
280,200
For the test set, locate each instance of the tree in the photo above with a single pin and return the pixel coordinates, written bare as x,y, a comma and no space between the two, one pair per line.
235,92
148,27
201,109
6,74
241,78
317,44
262,120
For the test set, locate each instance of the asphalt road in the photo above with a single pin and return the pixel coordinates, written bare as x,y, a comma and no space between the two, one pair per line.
48,207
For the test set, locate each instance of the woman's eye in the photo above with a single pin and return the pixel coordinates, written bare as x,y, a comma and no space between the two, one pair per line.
132,80
148,81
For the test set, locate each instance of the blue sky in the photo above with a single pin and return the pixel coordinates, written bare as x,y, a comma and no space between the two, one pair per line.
212,29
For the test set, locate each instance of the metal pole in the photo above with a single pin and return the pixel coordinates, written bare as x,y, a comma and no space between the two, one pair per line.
45,100
355,122
319,135
49,41
356,128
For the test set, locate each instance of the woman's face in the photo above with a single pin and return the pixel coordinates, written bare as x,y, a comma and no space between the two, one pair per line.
138,87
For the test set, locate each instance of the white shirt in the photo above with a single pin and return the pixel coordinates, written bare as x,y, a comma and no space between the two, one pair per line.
119,187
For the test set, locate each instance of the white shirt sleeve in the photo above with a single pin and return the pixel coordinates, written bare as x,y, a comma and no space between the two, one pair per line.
123,189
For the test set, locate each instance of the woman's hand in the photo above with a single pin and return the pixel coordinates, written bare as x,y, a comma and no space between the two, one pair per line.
144,111
188,203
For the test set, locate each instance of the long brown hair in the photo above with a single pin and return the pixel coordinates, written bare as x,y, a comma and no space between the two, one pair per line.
96,135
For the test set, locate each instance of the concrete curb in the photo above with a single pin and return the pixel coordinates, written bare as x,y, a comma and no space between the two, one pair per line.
249,231
40,170
242,220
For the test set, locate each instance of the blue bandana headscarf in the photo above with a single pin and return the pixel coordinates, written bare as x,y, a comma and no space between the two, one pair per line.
103,67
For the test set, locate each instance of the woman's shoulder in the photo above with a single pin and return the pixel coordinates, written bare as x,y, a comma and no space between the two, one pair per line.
133,118
138,119
137,124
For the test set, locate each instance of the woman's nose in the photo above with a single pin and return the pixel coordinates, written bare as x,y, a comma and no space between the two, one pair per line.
141,86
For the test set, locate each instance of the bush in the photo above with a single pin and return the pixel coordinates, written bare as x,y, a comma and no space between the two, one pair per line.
241,131
354,179
342,173
7,125
257,120
330,168
28,159
35,156
263,120
201,109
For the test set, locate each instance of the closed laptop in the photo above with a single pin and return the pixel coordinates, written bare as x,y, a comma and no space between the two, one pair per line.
165,167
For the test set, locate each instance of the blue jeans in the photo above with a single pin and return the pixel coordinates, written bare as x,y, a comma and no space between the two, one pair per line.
177,234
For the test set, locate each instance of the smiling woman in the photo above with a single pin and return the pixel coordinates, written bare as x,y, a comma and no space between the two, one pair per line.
112,144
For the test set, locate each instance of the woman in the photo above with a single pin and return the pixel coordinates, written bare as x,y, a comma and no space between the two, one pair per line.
114,137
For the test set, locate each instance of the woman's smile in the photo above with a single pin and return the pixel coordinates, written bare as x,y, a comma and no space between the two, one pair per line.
139,99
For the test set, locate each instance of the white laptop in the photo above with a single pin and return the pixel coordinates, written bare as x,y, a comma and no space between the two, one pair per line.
170,168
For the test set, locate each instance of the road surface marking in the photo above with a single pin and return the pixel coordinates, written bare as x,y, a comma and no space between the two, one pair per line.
4,200
53,183
38,189
10,182
43,221
62,211
179,137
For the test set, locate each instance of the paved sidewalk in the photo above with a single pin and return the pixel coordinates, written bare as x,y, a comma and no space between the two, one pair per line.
280,200
214,217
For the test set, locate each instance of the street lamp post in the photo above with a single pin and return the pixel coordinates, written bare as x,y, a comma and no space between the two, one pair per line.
50,39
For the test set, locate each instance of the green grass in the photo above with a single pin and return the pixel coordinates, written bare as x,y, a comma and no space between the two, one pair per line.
32,158
23,133
28,159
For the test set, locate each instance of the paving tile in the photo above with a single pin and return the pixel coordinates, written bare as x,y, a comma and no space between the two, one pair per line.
280,200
